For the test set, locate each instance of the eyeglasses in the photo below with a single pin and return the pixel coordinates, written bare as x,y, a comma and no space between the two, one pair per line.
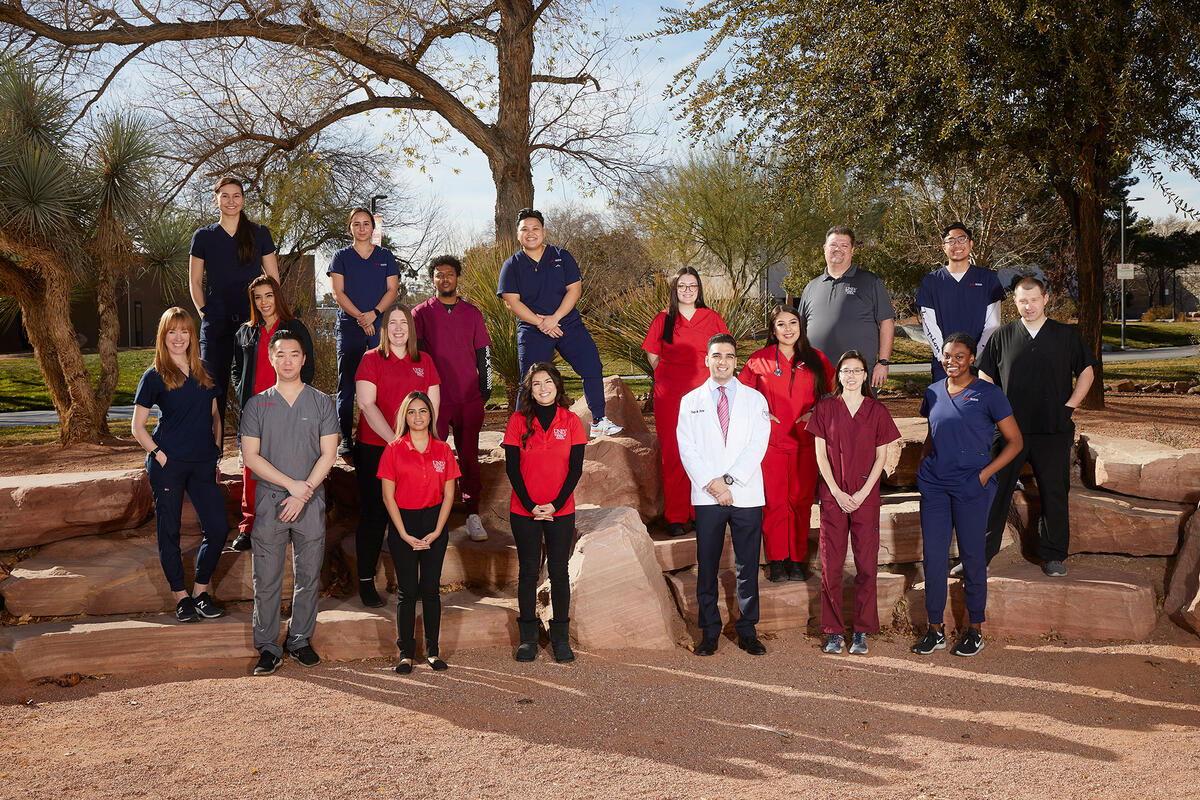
688,287
851,372
957,240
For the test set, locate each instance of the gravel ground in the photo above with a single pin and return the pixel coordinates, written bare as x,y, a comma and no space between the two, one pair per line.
1026,718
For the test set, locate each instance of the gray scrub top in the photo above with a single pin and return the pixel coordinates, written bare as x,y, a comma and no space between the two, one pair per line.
290,436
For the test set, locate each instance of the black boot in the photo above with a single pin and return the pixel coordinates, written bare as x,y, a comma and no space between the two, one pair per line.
776,571
560,640
529,639
367,593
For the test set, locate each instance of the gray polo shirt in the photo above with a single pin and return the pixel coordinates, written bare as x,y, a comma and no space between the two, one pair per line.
844,313
290,436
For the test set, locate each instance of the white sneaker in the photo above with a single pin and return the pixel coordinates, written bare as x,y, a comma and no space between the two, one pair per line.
605,427
475,528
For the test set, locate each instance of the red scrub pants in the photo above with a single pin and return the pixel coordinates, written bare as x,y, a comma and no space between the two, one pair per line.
248,484
789,480
861,526
677,487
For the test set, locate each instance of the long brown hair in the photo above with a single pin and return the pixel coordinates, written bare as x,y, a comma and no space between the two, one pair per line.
281,306
172,376
525,402
246,235
852,355
668,332
401,426
805,353
410,347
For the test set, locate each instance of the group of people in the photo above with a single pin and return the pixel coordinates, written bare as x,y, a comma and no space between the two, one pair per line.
746,450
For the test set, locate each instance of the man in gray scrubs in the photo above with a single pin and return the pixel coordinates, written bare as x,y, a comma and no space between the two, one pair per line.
849,308
289,441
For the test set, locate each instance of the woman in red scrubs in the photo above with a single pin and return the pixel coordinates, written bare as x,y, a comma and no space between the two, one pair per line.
792,375
543,454
425,468
852,431
677,342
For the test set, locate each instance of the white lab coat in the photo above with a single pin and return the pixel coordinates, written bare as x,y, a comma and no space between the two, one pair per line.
705,455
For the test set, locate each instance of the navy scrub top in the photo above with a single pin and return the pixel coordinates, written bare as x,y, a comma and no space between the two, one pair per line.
541,284
225,278
185,421
963,428
363,279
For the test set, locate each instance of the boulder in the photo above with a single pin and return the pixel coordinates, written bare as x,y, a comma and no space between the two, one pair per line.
1183,588
1181,387
620,406
1140,469
783,606
1089,603
1109,523
482,565
618,596
904,454
37,509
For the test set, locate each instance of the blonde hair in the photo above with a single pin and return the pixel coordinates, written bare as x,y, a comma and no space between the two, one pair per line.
401,426
172,376
385,346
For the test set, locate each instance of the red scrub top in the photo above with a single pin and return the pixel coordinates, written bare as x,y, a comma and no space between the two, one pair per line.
264,371
394,377
790,395
682,366
545,459
850,441
420,478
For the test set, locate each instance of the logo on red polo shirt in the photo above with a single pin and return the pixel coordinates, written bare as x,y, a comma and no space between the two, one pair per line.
560,433
439,466
419,372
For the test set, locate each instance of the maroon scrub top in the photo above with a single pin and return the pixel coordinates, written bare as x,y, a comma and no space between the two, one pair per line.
850,441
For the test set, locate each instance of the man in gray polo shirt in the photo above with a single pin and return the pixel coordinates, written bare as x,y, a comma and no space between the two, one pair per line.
849,308
289,441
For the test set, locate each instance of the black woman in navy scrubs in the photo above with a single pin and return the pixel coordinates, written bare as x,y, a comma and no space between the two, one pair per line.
957,479
225,257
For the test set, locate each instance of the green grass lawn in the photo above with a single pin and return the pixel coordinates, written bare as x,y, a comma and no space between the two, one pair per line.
1142,335
22,387
1176,369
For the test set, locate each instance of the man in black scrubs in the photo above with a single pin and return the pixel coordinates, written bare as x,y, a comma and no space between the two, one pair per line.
1033,359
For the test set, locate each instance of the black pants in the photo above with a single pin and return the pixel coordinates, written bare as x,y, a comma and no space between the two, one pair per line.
372,514
1050,456
418,574
559,535
745,531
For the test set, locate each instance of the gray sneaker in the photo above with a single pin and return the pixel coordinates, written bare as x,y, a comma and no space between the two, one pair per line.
833,645
1054,569
858,645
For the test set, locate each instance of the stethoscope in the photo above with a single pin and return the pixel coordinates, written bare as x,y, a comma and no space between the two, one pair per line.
778,371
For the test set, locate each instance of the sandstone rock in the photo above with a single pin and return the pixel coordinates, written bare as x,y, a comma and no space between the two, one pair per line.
620,406
1108,523
1124,386
1140,469
782,606
36,509
1089,603
904,455
1184,585
618,596
1194,390
486,565
1181,387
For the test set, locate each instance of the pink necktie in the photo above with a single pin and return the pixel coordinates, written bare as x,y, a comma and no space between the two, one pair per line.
723,413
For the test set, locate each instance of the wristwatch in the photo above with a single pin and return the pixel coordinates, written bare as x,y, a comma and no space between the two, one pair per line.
154,453
884,361
728,479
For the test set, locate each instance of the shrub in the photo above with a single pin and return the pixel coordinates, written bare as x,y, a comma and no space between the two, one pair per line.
481,273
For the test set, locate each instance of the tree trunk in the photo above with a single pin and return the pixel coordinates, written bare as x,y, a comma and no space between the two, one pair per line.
106,344
77,414
1086,214
28,288
511,165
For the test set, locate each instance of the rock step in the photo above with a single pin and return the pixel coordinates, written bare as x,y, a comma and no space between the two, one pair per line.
344,631
37,509
1183,592
783,606
1088,603
1140,469
485,565
1107,523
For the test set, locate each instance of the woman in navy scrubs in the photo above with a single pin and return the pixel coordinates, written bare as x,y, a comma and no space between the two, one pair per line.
225,257
182,456
957,479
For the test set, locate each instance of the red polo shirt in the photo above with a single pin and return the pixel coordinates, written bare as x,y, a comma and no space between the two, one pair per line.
420,478
264,372
546,458
394,377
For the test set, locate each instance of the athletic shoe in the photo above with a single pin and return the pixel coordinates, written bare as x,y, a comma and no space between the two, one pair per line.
858,645
934,640
185,610
957,570
795,571
206,608
833,645
241,542
346,452
475,528
970,644
305,656
605,427
1054,569
267,663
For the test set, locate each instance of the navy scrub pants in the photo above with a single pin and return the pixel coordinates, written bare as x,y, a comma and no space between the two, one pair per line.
959,511
197,479
577,349
216,351
352,343
745,531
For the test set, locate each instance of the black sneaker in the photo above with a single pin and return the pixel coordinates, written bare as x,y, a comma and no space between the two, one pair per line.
267,663
206,608
934,640
1054,569
185,610
305,656
241,542
970,644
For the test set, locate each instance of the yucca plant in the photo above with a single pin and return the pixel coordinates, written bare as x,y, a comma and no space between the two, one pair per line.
481,274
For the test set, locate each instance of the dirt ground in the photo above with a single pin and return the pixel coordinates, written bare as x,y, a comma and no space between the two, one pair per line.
1023,719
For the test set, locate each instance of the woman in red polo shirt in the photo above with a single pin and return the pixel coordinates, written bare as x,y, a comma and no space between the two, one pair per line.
792,375
543,453
385,377
253,373
425,466
676,344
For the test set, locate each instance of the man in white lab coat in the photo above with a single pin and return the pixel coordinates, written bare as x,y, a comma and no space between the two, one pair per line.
723,430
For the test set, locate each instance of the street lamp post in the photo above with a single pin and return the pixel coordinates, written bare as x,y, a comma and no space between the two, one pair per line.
375,198
1124,201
